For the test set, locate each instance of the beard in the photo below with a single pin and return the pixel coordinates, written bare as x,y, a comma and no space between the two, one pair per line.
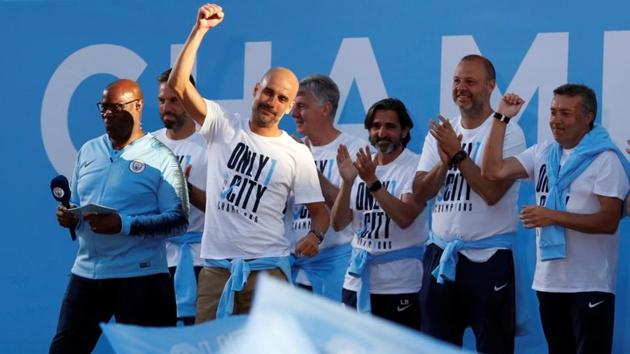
474,104
172,121
265,116
384,145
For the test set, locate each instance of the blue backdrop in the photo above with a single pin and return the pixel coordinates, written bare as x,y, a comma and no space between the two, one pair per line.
58,55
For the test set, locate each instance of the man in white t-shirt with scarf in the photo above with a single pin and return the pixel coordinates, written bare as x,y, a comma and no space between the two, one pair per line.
253,165
182,253
389,224
581,182
469,277
314,114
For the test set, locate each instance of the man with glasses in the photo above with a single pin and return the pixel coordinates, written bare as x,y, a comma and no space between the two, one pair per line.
120,269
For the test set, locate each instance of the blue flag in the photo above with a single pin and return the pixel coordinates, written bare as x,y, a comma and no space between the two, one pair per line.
205,338
288,320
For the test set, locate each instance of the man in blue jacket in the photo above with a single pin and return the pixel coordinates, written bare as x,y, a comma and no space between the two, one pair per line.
120,269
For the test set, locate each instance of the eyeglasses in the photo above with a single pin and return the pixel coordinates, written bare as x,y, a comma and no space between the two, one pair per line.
113,107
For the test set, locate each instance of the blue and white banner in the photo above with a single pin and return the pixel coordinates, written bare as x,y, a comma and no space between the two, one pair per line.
206,338
288,320
58,55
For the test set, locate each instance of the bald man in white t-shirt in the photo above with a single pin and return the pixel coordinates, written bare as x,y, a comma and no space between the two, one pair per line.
253,166
469,267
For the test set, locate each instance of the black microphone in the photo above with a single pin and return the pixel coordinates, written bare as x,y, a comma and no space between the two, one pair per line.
61,192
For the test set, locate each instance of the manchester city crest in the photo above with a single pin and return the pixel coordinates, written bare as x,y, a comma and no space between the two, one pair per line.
136,166
58,192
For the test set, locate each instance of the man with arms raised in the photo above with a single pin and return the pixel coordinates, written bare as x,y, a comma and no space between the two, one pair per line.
314,113
468,264
580,189
252,168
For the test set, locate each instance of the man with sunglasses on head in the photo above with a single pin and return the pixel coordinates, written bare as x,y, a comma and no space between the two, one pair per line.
120,269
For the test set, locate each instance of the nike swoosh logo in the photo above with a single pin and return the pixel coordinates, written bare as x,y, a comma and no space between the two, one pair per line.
498,288
591,305
401,309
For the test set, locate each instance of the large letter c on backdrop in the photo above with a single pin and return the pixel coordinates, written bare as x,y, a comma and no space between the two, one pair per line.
95,59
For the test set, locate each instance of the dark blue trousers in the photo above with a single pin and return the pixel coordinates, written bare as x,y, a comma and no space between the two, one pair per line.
482,297
403,309
577,322
145,301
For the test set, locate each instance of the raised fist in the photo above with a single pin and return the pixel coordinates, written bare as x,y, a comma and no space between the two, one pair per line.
209,16
510,105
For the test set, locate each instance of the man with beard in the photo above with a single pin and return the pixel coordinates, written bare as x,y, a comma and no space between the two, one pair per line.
580,188
314,114
254,165
120,269
473,220
389,224
182,253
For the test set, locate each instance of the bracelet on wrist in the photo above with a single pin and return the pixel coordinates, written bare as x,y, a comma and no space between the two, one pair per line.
318,234
458,157
375,186
501,117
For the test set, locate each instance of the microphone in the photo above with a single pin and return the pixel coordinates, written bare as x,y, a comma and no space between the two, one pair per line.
61,192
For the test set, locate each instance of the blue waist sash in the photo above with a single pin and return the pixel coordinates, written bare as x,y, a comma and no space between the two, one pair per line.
448,261
184,279
361,259
239,272
325,271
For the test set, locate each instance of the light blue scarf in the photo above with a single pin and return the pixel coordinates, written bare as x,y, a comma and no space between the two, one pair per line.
552,243
326,270
359,268
239,272
445,270
184,279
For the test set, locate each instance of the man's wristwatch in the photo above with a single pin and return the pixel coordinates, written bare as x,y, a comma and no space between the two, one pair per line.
318,234
501,117
375,186
458,157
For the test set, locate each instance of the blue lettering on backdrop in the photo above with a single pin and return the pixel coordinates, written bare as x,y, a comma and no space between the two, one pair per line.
58,56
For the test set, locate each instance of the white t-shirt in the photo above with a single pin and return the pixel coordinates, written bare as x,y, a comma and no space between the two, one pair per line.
249,180
591,259
190,151
299,220
326,161
458,211
376,232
